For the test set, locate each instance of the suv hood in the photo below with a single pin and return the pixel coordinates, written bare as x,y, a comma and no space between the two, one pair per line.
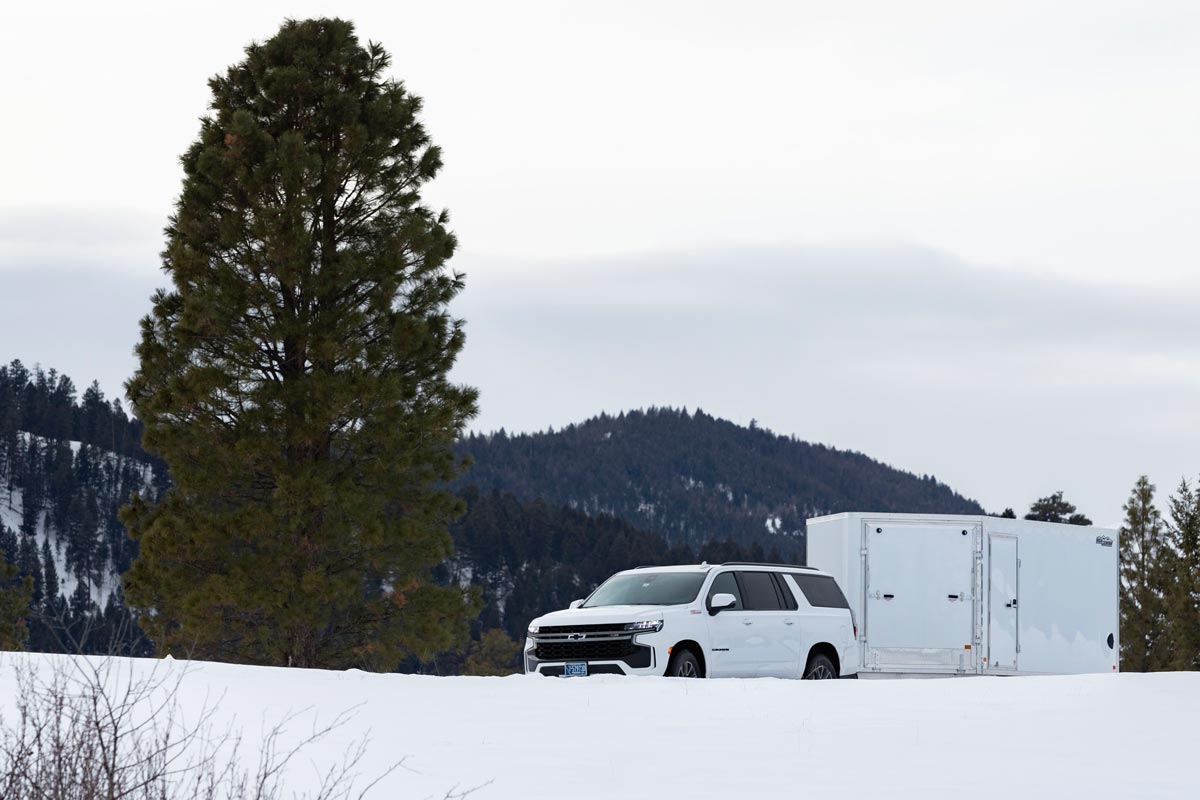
601,615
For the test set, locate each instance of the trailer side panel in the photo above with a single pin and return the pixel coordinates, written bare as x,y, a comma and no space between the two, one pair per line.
1068,593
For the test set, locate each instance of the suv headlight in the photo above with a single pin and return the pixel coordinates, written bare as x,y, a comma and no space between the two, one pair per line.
645,626
533,629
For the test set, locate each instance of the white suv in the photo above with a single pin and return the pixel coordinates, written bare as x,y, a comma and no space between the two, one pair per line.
702,621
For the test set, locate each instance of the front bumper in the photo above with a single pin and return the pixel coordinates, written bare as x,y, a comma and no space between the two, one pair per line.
636,654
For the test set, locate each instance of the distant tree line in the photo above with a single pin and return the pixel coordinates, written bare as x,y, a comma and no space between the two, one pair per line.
1160,580
1052,508
46,404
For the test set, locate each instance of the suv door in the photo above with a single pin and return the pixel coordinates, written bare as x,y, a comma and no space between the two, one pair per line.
728,631
794,651
768,626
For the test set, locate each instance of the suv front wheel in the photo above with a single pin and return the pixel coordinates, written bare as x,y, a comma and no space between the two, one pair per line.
683,664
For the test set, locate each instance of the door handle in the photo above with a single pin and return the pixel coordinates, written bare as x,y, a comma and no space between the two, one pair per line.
789,622
747,622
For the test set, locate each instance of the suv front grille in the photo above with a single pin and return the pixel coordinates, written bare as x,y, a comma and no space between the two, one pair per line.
593,650
590,629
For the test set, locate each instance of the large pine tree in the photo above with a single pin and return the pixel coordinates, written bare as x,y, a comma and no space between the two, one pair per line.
1143,626
294,378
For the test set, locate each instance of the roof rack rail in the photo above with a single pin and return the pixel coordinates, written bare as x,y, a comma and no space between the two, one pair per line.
733,564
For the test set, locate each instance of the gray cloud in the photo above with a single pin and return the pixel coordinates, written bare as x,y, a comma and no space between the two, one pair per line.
1005,385
68,225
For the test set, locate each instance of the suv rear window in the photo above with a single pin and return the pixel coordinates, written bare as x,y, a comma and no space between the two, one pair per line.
759,589
822,591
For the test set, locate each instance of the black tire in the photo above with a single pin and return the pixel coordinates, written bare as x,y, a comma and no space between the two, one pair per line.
819,668
684,664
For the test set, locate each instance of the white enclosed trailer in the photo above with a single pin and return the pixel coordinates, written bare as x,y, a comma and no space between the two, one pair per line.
974,595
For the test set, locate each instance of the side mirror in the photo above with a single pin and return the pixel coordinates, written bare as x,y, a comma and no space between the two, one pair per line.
721,602
576,603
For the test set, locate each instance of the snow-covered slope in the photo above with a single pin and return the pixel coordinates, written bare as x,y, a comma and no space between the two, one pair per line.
1117,736
74,476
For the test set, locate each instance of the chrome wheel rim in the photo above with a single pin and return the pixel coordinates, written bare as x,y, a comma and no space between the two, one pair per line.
820,673
686,669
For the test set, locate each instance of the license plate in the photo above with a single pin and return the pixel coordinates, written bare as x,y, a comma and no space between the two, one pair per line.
574,670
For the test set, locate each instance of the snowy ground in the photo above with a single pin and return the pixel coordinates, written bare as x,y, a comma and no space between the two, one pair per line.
1059,737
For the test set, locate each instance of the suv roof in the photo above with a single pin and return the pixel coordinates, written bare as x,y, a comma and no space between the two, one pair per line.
704,567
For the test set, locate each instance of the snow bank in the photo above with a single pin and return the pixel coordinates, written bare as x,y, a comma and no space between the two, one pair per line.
1090,736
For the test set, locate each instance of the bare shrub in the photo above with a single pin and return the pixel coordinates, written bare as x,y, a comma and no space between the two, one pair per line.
91,728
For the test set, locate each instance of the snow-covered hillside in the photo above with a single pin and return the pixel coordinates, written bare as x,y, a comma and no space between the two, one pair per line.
75,491
1117,736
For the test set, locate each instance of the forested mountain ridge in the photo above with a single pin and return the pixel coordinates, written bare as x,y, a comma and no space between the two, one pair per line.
692,478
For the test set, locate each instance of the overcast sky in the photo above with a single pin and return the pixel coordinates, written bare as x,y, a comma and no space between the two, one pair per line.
961,240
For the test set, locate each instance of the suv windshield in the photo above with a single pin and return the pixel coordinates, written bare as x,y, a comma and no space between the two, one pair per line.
647,589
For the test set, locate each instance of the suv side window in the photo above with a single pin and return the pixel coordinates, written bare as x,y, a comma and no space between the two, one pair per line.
822,591
759,589
725,583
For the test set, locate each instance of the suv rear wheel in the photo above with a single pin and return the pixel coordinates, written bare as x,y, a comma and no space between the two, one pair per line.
683,664
819,668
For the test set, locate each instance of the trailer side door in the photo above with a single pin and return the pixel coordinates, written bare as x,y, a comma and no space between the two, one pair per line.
920,596
1003,605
